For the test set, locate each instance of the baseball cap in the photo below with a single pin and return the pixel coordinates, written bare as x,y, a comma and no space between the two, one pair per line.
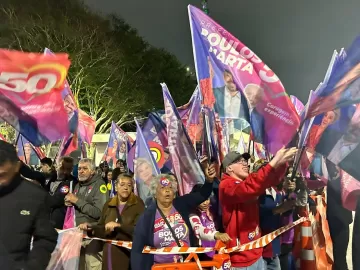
232,157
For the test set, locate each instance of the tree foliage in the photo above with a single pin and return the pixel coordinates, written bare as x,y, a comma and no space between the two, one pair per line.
115,74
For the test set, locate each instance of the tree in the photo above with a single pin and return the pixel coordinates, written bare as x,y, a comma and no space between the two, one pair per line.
115,74
8,132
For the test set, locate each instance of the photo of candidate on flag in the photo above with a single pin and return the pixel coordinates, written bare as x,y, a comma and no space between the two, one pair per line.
26,152
145,167
71,108
340,145
117,147
239,85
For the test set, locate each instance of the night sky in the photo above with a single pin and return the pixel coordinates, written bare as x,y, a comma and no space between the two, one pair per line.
294,38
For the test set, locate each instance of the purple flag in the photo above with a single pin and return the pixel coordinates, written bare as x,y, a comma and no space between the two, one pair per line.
343,86
240,85
154,130
117,145
145,166
26,152
184,159
21,122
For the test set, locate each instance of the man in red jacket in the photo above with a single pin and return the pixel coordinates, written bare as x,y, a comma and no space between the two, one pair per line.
238,194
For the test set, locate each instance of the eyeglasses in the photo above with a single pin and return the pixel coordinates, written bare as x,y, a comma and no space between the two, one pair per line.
241,161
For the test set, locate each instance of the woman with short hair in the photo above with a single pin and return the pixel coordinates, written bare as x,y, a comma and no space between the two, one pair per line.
117,222
165,222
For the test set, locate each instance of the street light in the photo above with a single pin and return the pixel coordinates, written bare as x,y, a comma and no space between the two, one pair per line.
188,69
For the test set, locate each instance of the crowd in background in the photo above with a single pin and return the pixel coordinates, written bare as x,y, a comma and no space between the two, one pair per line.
236,209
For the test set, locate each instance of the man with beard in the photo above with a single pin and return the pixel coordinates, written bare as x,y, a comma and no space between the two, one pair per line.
89,197
58,189
254,95
24,215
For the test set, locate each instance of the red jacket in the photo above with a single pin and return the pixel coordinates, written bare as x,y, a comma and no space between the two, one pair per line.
240,209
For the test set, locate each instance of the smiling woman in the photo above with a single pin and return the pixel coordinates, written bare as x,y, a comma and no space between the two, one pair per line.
165,222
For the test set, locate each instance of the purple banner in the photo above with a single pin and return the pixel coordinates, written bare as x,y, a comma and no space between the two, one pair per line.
185,163
235,78
145,166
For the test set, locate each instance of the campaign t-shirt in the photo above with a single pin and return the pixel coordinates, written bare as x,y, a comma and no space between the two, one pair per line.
163,236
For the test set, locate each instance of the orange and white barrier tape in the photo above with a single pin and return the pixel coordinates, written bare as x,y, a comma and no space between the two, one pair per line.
124,244
261,242
176,250
266,239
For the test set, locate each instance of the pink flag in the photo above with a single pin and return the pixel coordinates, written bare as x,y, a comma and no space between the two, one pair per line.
33,83
86,127
67,252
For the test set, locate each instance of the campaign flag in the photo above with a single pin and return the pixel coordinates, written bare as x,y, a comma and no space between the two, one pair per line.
33,83
86,126
343,86
70,104
242,148
20,121
154,129
210,146
117,146
194,123
145,166
299,106
183,156
260,151
340,141
26,151
222,142
232,68
66,255
68,145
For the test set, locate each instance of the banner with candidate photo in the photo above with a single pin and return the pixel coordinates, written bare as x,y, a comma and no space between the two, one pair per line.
340,144
70,104
26,151
239,85
117,147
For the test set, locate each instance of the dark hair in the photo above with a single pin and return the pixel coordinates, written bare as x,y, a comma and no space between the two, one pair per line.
115,173
228,72
7,153
121,161
67,159
46,161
